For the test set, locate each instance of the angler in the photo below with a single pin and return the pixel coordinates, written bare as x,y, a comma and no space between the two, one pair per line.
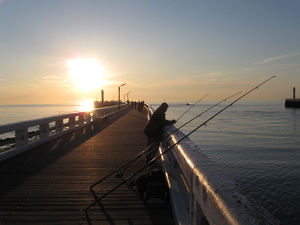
120,170
149,148
168,149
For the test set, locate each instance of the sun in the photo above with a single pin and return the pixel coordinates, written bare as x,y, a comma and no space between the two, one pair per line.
86,73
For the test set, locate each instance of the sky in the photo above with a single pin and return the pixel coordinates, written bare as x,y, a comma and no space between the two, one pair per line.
68,51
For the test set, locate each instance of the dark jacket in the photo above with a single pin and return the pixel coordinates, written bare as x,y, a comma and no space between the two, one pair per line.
155,126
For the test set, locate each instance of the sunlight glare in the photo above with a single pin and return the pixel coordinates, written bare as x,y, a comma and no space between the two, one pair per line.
87,105
87,73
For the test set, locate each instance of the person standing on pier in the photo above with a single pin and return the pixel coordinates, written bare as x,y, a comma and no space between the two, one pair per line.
155,128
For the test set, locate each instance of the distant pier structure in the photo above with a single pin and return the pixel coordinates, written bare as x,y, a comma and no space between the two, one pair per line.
292,102
98,104
102,103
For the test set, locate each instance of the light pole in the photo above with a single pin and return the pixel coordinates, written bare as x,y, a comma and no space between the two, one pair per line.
119,95
128,95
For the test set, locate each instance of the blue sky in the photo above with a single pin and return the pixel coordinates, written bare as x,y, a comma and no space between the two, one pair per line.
163,50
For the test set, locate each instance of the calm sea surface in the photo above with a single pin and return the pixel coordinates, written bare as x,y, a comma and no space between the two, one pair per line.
256,142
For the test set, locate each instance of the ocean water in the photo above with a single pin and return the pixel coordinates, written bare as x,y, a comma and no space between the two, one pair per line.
19,113
257,142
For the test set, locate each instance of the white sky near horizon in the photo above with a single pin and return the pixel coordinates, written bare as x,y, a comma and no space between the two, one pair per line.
63,51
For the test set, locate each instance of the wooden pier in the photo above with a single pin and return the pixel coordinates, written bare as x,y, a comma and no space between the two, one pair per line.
50,184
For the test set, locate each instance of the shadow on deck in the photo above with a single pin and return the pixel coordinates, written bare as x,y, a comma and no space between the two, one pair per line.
50,184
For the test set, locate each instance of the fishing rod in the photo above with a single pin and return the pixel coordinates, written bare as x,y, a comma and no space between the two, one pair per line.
152,161
157,142
191,107
205,122
168,149
203,113
154,145
141,153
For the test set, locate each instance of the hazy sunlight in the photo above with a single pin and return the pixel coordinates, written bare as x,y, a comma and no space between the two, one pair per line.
87,105
87,73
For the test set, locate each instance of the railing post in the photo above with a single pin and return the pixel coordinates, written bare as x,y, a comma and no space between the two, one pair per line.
59,125
100,113
72,122
21,137
44,130
198,215
191,208
88,117
81,119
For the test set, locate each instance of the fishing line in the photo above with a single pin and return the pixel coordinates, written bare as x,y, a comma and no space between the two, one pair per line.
191,107
205,122
131,162
121,172
153,145
168,149
202,113
156,144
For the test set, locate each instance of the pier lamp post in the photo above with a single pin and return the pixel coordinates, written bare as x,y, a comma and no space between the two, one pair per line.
119,95
128,95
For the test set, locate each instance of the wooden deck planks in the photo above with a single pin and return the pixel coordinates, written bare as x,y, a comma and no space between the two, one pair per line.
50,184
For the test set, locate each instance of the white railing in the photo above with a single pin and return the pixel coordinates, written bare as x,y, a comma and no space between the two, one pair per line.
29,134
200,192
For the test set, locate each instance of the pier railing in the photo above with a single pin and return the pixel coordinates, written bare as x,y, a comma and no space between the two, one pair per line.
201,192
22,136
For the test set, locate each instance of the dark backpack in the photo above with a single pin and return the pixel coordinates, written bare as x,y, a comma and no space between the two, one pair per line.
153,187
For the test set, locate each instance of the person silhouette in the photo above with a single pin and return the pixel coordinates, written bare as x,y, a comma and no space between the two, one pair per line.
155,128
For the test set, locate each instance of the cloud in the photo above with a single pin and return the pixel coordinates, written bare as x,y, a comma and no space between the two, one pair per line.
54,82
51,78
72,83
278,57
10,87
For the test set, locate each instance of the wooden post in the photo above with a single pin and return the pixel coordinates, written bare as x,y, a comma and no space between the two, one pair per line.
21,137
44,130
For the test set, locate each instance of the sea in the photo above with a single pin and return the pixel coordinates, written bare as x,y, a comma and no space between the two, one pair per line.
256,142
